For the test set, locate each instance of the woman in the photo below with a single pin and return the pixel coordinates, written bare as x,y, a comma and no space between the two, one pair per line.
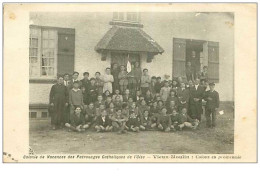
108,80
122,76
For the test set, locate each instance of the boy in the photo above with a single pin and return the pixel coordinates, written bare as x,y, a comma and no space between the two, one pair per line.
99,101
212,98
152,86
172,106
146,122
154,114
108,101
186,121
85,83
117,93
119,121
145,81
126,95
90,111
175,119
158,85
118,103
67,82
75,97
104,124
189,72
165,91
75,76
133,122
92,91
164,121
77,122
130,101
111,110
137,95
99,83
142,107
204,74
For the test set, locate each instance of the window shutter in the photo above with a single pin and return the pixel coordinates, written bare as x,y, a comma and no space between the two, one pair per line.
213,63
66,51
179,58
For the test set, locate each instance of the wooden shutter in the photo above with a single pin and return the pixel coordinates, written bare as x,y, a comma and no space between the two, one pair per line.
179,58
213,61
66,51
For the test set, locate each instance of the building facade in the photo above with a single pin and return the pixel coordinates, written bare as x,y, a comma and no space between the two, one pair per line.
162,42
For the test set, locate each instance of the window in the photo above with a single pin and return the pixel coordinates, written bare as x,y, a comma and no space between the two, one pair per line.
43,53
126,17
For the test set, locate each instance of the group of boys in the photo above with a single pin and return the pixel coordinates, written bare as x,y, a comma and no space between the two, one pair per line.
164,105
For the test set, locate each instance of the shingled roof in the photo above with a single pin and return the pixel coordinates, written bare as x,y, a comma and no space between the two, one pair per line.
128,39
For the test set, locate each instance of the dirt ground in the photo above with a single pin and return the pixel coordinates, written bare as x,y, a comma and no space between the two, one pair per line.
218,140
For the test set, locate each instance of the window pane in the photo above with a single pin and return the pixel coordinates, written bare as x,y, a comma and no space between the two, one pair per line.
51,62
33,70
33,60
50,71
121,16
34,42
51,34
33,52
51,44
34,32
44,62
45,34
44,71
45,43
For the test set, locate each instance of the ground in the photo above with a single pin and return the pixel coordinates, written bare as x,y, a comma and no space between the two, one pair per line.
218,140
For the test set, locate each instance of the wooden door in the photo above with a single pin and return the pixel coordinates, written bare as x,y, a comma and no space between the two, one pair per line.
179,58
213,61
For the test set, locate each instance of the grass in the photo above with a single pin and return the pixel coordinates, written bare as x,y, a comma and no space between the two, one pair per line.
219,140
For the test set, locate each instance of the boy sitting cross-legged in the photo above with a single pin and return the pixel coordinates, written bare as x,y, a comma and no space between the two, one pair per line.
187,121
104,124
164,121
133,122
119,121
146,122
77,121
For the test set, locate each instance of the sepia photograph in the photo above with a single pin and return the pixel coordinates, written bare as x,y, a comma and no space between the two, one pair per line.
130,82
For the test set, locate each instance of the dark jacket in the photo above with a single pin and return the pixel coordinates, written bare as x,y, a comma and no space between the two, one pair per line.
105,123
199,93
76,121
214,103
59,93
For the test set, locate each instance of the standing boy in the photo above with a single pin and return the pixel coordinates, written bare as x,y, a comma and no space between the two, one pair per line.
99,83
145,81
75,98
212,98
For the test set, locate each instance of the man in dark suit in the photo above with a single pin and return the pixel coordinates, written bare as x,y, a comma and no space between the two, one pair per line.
183,95
59,98
68,84
212,98
195,103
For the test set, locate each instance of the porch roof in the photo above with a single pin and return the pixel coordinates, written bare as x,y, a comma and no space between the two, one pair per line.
128,39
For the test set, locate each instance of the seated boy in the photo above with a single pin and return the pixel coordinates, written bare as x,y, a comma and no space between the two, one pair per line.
118,103
119,121
77,121
90,115
133,122
164,121
104,124
100,109
146,122
187,121
142,108
175,119
117,93
111,110
99,101
108,101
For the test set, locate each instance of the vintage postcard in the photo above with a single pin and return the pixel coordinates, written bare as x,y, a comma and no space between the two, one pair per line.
128,82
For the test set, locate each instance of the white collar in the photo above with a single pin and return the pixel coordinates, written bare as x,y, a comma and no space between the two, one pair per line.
75,90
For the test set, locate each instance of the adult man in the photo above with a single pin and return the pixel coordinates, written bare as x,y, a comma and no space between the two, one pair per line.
195,64
85,84
212,98
58,102
183,95
196,96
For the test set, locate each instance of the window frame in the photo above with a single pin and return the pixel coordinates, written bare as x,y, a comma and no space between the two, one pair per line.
39,75
125,15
